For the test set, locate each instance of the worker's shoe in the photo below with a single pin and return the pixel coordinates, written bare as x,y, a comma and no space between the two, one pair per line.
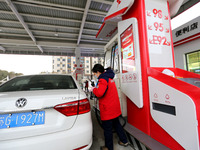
123,144
103,148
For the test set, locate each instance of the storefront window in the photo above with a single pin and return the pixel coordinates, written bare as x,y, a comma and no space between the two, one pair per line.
193,62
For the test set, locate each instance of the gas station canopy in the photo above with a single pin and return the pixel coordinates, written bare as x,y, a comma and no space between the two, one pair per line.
53,27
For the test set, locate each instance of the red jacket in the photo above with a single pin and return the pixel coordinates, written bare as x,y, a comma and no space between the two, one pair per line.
107,94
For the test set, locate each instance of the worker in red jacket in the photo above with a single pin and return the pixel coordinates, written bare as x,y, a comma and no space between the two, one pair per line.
109,106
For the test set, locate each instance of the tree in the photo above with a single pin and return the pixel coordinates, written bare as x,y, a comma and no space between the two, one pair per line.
4,74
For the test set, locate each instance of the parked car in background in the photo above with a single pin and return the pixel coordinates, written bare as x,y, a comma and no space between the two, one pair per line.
44,112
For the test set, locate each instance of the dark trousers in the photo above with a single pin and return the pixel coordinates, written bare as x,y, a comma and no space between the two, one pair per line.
108,134
86,89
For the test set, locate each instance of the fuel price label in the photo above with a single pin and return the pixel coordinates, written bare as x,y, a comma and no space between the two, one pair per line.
157,27
159,33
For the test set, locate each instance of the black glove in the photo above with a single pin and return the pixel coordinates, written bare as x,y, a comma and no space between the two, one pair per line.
92,84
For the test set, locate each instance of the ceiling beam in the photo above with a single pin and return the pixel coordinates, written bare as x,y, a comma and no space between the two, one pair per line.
50,18
47,5
56,37
91,12
11,28
2,48
14,35
38,36
21,20
50,53
64,7
53,5
49,25
40,24
48,44
43,32
94,41
103,1
11,5
97,13
54,33
40,48
83,20
41,16
16,42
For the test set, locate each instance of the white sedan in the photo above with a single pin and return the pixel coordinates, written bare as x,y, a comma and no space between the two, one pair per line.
44,112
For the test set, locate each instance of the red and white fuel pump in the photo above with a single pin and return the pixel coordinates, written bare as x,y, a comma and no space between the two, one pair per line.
162,102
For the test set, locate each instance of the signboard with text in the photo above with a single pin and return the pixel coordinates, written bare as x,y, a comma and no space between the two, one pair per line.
159,34
127,50
190,29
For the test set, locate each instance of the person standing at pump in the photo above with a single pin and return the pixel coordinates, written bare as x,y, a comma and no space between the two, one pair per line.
86,86
109,106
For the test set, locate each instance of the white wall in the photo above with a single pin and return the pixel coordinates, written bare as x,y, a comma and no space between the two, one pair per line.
182,34
181,50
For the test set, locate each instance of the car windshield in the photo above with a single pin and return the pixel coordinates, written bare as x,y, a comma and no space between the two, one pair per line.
39,82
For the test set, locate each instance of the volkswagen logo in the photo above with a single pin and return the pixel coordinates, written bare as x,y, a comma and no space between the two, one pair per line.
21,102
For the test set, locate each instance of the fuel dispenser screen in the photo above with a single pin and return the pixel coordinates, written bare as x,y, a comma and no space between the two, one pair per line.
127,50
164,108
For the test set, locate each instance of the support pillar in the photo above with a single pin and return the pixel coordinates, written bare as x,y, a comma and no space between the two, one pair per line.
78,56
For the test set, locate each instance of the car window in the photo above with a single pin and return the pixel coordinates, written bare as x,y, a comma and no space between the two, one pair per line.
39,82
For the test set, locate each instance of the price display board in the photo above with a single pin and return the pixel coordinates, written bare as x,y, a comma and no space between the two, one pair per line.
159,34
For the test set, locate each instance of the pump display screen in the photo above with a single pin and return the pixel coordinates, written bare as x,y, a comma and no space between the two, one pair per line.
127,50
164,108
116,59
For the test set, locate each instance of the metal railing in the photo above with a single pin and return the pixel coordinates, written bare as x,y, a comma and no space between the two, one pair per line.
4,80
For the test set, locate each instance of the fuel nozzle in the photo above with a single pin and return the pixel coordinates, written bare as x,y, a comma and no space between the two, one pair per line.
92,83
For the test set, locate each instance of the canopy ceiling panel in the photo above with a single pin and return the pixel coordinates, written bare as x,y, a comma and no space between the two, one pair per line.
52,27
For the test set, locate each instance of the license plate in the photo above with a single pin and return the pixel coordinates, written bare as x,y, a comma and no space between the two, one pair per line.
22,119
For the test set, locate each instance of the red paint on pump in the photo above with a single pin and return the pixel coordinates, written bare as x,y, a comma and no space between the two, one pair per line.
170,31
100,29
192,91
141,117
163,137
116,14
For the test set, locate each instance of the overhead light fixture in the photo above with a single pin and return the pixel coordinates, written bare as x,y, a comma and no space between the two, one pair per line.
0,30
